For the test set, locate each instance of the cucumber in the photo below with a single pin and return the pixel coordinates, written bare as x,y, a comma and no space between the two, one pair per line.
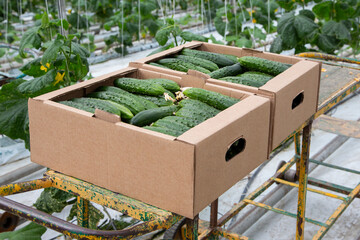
151,115
167,131
211,98
194,113
181,120
174,64
146,103
249,79
198,105
158,65
263,65
226,71
158,100
187,113
217,58
139,86
166,83
252,73
170,125
107,106
209,65
231,57
79,106
132,104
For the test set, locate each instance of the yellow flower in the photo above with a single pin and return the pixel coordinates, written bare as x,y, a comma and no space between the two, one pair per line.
254,20
47,65
43,68
0,33
275,10
59,77
251,12
69,11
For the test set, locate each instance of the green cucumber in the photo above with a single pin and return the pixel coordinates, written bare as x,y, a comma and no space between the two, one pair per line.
131,103
194,113
167,131
217,58
181,120
139,86
214,99
263,65
166,83
209,65
198,105
107,106
187,113
226,71
158,65
151,115
80,106
146,103
170,125
174,64
158,100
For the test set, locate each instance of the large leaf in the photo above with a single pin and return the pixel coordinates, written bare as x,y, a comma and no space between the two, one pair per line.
243,42
336,29
189,36
52,200
162,36
52,51
327,44
31,231
304,26
40,84
276,46
31,38
78,49
323,10
343,11
308,13
219,25
287,30
33,68
95,215
79,68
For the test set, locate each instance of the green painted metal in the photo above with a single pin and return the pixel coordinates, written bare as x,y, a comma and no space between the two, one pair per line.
330,186
334,166
83,212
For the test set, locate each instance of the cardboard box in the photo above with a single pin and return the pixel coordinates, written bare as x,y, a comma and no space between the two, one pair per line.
293,93
180,174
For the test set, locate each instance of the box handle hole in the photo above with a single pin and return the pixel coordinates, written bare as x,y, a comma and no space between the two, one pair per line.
236,147
297,100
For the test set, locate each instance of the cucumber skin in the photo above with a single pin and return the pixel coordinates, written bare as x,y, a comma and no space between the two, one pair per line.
180,65
151,115
166,83
167,131
146,103
198,106
194,113
139,86
107,106
78,106
263,65
196,119
214,99
131,103
170,125
159,101
217,58
182,120
209,65
227,71
158,65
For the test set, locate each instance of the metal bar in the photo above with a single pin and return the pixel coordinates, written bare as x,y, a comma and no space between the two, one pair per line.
78,232
192,228
303,173
214,213
83,212
238,207
281,211
311,189
332,219
228,235
297,150
14,188
330,186
131,207
334,166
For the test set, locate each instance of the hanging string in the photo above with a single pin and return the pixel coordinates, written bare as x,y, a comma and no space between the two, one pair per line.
226,20
139,18
6,5
161,10
268,16
122,28
47,12
242,11
78,17
251,20
209,14
87,25
174,8
236,20
19,3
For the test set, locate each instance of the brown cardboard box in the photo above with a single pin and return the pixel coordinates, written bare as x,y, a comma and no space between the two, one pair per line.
180,174
293,93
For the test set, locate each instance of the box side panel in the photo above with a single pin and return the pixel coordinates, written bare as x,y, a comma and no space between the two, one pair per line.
249,120
120,157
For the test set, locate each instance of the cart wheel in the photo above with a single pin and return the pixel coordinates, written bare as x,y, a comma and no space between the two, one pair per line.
289,175
8,222
175,231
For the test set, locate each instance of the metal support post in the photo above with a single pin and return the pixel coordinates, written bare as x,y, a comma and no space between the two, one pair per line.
192,228
83,212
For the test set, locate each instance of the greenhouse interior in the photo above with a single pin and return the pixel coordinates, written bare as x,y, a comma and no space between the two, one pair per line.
179,119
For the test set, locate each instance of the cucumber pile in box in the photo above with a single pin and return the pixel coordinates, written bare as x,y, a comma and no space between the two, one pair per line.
247,70
156,104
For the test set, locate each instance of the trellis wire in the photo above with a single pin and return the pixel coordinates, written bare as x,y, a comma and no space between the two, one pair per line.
226,21
47,12
122,28
87,26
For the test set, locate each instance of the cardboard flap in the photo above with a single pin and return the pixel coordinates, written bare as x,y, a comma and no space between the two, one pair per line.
109,117
198,74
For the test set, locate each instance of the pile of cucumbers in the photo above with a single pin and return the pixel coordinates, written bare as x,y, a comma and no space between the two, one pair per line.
247,70
155,104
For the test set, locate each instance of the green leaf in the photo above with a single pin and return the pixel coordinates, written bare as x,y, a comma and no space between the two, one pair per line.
258,34
162,36
78,49
79,68
77,21
2,52
287,30
304,26
52,51
31,38
189,36
243,42
219,25
307,13
40,84
32,231
327,44
52,200
336,29
276,46
343,11
160,49
45,22
65,23
323,10
95,215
